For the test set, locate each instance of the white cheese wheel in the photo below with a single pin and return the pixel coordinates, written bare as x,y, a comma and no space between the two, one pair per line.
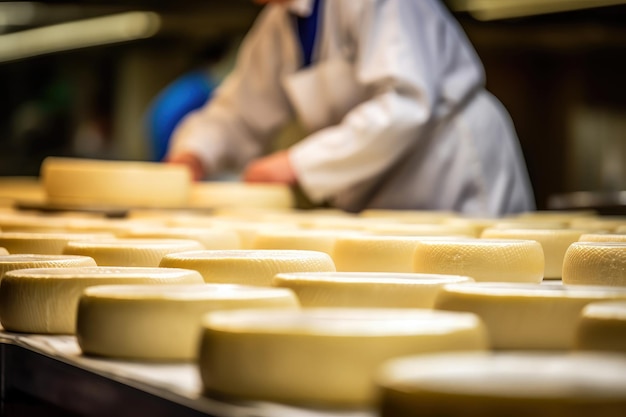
117,227
90,182
602,237
482,259
209,237
21,189
602,326
29,261
298,239
554,243
161,322
45,243
18,222
237,194
410,216
372,253
45,300
505,384
320,356
595,263
251,267
403,229
366,289
130,252
526,316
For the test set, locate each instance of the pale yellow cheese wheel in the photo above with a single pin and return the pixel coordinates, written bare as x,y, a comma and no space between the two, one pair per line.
90,182
250,267
403,229
20,222
526,316
595,263
29,261
161,322
366,289
237,194
602,326
482,259
476,384
45,300
602,237
3,251
321,356
209,237
299,239
130,252
554,243
45,243
372,253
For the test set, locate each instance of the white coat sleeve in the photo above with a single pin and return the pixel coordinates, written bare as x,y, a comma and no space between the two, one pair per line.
247,109
406,56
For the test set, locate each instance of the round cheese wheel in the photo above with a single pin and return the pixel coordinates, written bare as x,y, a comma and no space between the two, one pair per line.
236,194
161,322
298,239
209,237
45,243
3,251
252,267
595,263
482,259
366,289
21,189
90,182
403,229
602,326
18,222
503,384
554,243
323,356
29,261
371,253
602,237
526,316
117,227
130,252
410,216
44,300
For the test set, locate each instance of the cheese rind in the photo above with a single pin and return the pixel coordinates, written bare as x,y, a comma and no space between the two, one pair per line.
44,300
526,316
161,322
249,267
366,289
321,356
595,263
29,261
602,326
493,260
511,384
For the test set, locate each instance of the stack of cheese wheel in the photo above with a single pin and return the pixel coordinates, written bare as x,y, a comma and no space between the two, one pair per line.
45,243
526,316
324,356
371,253
602,326
209,237
29,261
130,252
554,243
482,259
235,194
251,267
161,322
595,263
505,384
44,300
298,239
366,289
85,182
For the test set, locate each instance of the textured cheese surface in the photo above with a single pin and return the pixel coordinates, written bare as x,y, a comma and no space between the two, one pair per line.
321,355
44,243
366,289
554,243
504,384
28,261
234,194
595,263
89,182
482,259
44,300
526,316
251,267
602,326
161,322
210,238
130,252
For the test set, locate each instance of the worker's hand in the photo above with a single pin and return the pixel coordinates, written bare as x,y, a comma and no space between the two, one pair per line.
273,168
191,161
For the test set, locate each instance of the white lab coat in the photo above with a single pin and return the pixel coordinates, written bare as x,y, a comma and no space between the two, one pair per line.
394,103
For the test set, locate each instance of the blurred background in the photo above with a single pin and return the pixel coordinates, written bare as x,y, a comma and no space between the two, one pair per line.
87,79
